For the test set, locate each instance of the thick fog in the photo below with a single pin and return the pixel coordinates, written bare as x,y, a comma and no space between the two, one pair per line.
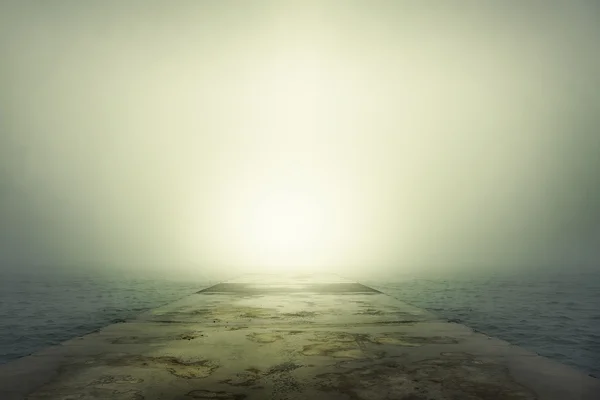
371,137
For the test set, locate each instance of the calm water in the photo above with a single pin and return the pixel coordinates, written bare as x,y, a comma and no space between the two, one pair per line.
38,310
555,315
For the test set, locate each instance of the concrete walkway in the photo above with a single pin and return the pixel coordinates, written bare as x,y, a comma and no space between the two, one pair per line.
297,337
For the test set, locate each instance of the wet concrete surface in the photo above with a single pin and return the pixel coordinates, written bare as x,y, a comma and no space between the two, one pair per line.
290,337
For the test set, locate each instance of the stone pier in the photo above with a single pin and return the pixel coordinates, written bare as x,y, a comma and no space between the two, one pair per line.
290,337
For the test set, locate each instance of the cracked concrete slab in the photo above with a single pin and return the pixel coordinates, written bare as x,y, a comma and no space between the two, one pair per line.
290,337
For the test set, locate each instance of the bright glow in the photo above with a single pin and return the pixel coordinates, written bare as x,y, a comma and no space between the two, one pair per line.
283,228
292,209
295,134
276,224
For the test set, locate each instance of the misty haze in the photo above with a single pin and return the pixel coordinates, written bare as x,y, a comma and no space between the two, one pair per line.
444,153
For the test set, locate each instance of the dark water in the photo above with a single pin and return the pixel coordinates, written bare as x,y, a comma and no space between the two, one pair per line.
38,310
556,315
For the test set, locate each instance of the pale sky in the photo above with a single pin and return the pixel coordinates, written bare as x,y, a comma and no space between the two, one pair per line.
346,136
